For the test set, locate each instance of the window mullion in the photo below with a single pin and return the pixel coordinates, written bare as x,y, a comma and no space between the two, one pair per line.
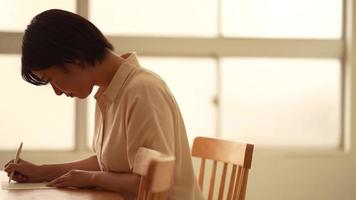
81,110
207,47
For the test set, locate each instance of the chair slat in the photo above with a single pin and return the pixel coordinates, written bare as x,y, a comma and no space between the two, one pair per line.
240,182
212,180
222,182
201,174
244,185
232,182
237,183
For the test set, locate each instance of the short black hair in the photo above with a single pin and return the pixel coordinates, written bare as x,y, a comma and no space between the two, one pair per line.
57,37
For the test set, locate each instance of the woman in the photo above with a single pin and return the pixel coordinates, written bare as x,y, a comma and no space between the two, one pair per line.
134,107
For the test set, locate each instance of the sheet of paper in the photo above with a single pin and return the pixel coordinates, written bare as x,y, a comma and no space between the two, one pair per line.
23,186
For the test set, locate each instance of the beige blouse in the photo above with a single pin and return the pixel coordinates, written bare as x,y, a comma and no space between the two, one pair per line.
138,110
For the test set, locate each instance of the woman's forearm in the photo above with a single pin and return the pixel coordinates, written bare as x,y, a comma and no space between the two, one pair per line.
124,183
52,171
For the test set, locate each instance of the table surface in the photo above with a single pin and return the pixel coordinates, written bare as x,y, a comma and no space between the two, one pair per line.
56,194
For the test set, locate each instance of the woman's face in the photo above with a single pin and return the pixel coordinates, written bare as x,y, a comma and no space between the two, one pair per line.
73,80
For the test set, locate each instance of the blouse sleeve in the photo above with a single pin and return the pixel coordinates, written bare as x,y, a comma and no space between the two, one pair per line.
149,119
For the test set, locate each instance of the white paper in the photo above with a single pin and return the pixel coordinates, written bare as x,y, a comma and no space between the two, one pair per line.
24,186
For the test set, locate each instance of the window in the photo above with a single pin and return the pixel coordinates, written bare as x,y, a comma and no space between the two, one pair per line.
282,102
157,17
28,113
18,13
275,73
221,60
32,114
195,94
282,19
274,62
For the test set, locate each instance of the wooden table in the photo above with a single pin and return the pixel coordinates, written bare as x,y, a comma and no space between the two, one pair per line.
56,194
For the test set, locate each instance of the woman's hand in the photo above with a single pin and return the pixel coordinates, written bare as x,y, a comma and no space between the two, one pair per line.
75,178
25,171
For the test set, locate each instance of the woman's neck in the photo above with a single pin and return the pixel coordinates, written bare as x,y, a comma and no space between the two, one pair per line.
104,71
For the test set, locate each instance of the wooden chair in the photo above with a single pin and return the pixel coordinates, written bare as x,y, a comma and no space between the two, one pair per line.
239,155
156,171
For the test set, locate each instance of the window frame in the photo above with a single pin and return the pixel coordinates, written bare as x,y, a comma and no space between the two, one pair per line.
217,47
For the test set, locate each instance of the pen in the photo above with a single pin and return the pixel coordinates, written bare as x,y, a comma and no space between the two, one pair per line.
17,157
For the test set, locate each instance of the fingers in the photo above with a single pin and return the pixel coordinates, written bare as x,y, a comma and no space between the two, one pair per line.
20,178
14,167
66,180
19,171
74,178
10,168
11,161
61,181
21,167
61,184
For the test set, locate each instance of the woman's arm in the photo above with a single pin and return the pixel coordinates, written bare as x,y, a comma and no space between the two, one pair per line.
118,182
123,183
29,172
53,171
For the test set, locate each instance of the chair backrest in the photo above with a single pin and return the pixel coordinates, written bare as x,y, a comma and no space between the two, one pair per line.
239,155
156,171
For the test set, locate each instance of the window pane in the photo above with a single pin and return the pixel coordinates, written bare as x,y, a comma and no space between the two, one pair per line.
192,82
15,15
281,18
282,102
156,17
32,114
